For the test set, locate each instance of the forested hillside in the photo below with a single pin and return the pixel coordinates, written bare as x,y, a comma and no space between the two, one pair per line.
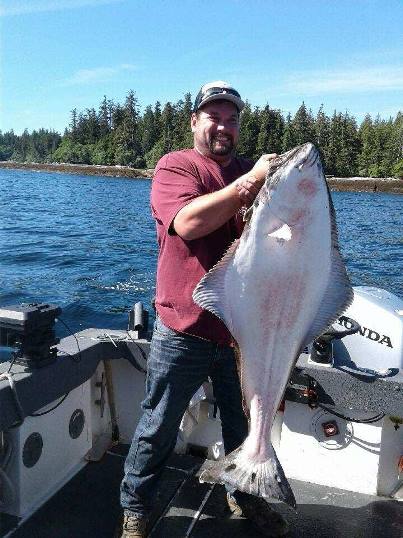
118,134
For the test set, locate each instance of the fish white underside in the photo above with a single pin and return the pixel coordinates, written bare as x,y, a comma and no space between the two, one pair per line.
272,292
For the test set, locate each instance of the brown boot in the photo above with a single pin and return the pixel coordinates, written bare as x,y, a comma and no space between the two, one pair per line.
134,526
266,520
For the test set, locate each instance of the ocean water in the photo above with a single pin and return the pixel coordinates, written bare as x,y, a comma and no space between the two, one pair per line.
87,243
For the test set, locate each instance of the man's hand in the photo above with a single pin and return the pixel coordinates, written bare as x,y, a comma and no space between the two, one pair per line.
250,184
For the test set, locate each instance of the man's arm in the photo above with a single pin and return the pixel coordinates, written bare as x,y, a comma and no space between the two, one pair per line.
209,212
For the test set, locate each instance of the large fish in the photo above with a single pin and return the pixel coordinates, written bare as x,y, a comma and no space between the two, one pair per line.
277,288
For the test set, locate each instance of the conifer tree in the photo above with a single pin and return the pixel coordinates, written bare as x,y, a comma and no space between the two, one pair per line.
271,130
397,145
182,135
104,118
322,136
367,139
288,139
249,131
147,128
168,126
73,124
127,139
303,126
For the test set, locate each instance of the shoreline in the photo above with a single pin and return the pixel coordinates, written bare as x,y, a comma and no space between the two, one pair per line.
365,184
354,184
82,169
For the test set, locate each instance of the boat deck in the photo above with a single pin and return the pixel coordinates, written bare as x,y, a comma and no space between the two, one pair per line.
88,507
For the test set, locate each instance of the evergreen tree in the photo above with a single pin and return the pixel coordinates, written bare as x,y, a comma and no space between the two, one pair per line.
73,124
127,137
249,131
385,148
322,136
158,119
350,146
147,128
367,140
182,136
168,127
397,145
103,152
92,126
118,116
303,126
155,152
335,143
288,140
271,130
104,118
21,147
8,143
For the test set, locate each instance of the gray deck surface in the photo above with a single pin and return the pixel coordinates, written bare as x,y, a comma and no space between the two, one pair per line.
88,506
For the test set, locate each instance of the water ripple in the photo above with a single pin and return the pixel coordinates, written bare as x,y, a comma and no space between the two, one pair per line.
88,243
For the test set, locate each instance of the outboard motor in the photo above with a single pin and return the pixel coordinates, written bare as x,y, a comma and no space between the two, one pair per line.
367,338
343,414
378,345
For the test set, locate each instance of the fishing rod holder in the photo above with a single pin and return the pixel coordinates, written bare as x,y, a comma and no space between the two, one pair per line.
138,321
28,329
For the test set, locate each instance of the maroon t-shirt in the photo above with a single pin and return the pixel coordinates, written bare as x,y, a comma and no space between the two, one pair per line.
180,177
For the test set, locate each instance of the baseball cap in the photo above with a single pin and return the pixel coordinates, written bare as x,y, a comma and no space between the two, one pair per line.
213,91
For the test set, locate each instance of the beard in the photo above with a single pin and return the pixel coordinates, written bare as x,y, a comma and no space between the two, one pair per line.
221,146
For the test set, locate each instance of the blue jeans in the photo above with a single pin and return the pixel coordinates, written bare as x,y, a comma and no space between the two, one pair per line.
177,366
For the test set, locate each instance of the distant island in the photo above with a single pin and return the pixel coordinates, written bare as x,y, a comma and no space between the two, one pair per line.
116,139
354,184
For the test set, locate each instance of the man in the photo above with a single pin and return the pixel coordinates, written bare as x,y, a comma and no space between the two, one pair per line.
196,198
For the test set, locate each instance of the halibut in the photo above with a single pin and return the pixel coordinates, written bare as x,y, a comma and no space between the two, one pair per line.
279,286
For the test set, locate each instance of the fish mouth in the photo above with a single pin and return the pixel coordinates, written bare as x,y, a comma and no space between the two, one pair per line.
311,157
304,155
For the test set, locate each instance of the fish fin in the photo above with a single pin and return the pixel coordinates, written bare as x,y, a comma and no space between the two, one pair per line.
264,479
210,291
248,214
239,362
339,292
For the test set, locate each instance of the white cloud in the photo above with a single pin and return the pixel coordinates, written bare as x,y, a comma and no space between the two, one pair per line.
373,79
24,7
96,74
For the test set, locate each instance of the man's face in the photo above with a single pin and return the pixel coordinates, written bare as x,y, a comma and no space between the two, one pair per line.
216,130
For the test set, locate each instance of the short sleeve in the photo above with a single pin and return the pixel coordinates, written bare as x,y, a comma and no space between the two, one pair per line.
176,182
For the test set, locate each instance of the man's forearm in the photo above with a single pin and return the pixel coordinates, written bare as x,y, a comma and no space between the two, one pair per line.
207,213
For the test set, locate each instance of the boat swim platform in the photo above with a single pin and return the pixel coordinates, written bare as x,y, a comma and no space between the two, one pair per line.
88,507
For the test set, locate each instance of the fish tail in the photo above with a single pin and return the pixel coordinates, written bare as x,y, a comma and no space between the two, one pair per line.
264,479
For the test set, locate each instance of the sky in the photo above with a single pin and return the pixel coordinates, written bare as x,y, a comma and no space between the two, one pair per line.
56,55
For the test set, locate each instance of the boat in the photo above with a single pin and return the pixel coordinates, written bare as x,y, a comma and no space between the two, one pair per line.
69,407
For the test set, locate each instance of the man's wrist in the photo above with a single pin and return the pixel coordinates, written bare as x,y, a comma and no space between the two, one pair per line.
240,190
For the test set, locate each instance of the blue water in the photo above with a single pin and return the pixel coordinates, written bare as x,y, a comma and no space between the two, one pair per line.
88,243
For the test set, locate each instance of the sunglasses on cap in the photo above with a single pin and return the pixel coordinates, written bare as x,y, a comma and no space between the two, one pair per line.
203,96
